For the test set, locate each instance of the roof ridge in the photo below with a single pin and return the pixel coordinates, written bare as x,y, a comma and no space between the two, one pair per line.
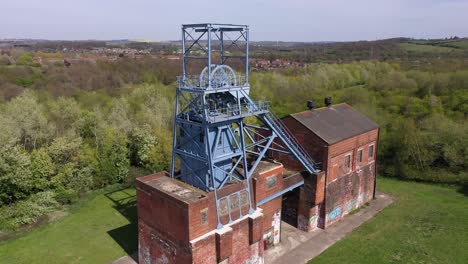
320,108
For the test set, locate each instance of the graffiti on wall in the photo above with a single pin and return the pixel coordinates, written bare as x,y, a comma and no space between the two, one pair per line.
351,205
302,223
335,213
362,198
306,224
268,237
276,224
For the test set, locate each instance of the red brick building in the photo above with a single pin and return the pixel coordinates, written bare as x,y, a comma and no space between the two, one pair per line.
344,143
178,222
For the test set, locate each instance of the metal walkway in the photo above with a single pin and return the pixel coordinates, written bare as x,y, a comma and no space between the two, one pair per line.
290,141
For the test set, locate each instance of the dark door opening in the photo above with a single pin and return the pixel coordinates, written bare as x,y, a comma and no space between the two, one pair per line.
290,206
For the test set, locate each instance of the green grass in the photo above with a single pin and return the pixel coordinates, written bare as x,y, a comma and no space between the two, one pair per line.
426,224
99,231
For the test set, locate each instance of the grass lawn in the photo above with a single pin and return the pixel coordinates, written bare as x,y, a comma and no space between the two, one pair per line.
427,224
102,229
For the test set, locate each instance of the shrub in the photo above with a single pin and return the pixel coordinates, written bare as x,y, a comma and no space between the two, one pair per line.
27,211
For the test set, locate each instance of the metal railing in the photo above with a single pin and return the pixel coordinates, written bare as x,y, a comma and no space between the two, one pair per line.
195,82
289,139
226,113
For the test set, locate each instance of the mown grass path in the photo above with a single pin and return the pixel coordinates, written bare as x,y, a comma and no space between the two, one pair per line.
426,224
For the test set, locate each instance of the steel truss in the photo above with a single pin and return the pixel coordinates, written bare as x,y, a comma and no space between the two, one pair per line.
212,140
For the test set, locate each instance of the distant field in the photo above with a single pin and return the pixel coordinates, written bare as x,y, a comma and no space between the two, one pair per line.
420,48
454,46
427,224
460,44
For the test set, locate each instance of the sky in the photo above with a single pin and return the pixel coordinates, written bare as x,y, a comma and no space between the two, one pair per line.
276,20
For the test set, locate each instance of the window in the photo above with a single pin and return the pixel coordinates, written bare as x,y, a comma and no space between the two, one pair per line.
371,152
359,155
347,162
220,140
271,182
202,137
204,216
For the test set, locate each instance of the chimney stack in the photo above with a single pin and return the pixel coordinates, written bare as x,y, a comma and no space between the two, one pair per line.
328,101
310,105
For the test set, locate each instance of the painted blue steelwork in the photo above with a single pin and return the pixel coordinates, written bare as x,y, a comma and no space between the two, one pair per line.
278,194
212,141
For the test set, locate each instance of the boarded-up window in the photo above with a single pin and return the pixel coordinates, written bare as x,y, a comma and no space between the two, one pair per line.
371,152
347,162
244,198
223,206
359,154
271,182
234,201
204,216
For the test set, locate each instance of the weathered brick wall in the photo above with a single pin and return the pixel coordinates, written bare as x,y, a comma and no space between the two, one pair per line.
197,226
260,184
271,222
333,199
314,145
348,193
263,187
172,230
350,146
232,245
167,238
204,250
311,198
156,247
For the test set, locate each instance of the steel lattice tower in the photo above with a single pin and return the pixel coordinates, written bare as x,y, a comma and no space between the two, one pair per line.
212,142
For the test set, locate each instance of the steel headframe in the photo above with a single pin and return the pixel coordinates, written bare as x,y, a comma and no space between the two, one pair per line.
206,114
198,41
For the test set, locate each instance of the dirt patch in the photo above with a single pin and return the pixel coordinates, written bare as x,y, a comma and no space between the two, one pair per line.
54,216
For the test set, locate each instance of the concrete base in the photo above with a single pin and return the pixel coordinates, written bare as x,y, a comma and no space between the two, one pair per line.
299,247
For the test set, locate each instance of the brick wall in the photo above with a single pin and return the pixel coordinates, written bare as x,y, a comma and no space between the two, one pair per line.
314,145
348,193
177,230
338,189
311,198
261,186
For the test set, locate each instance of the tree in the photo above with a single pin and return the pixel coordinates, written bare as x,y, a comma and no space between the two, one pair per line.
42,168
113,157
16,181
29,119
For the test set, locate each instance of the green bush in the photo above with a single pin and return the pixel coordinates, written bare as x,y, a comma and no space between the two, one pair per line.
27,211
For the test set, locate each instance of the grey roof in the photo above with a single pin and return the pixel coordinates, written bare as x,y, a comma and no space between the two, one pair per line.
335,123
